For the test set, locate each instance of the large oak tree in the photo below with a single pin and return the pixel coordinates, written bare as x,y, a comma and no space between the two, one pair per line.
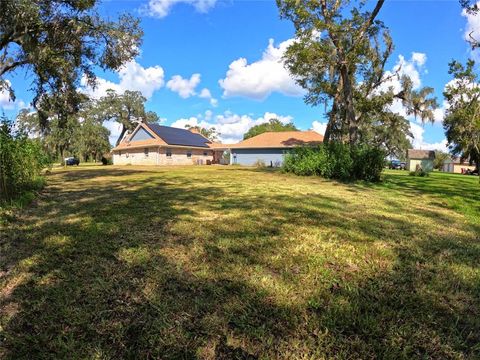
59,42
339,56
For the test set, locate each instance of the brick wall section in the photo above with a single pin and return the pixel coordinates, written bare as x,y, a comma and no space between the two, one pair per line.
158,156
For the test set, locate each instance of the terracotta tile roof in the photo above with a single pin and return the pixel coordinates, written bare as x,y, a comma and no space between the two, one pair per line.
142,143
217,145
284,139
421,154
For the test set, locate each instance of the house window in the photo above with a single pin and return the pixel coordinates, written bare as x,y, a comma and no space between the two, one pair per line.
169,153
189,153
145,151
119,153
205,153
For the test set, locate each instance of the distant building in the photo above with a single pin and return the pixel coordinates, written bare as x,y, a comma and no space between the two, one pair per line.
270,148
420,159
153,144
456,165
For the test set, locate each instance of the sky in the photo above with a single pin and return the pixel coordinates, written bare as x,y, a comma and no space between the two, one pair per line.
217,63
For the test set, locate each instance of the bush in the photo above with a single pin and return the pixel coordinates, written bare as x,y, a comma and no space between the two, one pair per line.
107,160
21,162
337,161
419,172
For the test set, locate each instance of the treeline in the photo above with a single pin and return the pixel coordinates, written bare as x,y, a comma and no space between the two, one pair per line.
82,133
21,162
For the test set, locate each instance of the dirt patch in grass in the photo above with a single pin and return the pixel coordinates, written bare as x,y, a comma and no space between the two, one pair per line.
233,263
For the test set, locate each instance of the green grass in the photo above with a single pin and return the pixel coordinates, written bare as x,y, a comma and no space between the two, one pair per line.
237,263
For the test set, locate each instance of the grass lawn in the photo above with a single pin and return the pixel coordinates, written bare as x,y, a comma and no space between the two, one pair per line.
237,263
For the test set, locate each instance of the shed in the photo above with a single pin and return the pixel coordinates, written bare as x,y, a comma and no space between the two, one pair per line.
420,159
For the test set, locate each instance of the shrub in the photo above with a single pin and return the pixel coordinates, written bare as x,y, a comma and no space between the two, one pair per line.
259,164
337,161
419,172
107,160
21,162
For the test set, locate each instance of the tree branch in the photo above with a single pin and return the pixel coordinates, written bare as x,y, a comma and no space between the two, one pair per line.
12,66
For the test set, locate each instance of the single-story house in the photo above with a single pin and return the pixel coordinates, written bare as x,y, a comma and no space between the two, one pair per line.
420,159
456,165
153,144
270,147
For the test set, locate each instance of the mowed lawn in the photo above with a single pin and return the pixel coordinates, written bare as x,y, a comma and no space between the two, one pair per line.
238,263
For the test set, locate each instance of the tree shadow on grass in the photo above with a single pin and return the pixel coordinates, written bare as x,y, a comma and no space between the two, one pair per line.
154,267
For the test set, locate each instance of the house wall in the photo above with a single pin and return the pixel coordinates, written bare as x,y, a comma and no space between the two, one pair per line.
158,156
250,156
457,168
179,156
425,164
136,157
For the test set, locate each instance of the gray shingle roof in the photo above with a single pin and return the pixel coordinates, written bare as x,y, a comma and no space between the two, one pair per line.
421,154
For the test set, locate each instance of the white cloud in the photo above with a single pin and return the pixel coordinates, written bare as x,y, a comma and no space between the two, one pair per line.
206,94
319,127
230,126
412,67
184,87
134,77
161,8
418,141
115,129
261,78
419,58
8,104
208,115
472,30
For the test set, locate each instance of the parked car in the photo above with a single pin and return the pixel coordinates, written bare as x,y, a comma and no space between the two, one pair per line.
71,161
397,165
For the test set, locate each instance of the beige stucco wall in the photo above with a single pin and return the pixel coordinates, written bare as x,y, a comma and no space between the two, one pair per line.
456,168
158,156
426,165
136,156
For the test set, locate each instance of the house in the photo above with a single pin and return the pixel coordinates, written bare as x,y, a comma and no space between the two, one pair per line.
270,147
153,144
456,165
420,159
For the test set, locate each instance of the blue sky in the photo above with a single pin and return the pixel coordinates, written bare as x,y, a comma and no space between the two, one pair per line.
216,63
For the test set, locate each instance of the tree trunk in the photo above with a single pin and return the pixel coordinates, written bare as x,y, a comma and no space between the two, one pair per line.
124,130
349,106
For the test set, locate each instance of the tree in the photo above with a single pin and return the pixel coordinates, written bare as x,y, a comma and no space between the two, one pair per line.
471,7
91,139
338,56
440,157
60,42
462,119
210,133
81,133
127,109
389,132
60,138
274,125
